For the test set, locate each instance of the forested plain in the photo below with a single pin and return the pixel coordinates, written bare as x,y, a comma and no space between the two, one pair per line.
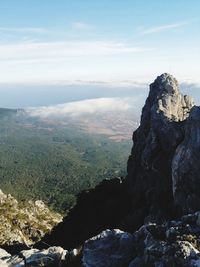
54,162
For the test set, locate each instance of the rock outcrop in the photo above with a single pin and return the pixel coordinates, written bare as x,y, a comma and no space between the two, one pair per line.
175,243
163,169
22,224
172,244
53,256
109,248
186,165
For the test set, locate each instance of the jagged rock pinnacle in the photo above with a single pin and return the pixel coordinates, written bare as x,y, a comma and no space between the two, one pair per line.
168,135
167,83
166,98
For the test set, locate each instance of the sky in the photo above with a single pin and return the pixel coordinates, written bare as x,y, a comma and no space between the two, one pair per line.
115,42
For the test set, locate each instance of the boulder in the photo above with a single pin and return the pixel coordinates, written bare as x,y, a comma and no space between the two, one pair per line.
52,256
7,260
175,243
111,248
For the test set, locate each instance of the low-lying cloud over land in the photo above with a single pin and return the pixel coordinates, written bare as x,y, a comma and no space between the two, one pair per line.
89,106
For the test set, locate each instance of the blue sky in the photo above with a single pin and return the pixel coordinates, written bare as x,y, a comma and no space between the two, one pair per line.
115,41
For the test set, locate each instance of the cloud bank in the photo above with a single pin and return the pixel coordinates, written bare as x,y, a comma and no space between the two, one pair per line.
89,106
50,51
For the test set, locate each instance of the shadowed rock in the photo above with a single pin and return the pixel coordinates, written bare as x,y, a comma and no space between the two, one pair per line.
97,209
110,248
186,166
172,244
161,131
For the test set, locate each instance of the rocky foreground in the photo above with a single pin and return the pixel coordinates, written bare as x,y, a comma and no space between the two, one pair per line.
156,206
174,243
24,223
171,244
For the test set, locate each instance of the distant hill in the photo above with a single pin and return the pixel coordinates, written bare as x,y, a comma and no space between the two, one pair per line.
54,159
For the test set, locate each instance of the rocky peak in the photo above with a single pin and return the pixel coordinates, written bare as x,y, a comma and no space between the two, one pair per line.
166,83
163,171
165,98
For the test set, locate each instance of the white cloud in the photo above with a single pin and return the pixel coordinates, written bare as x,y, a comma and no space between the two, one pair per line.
163,28
89,106
118,83
78,25
24,30
109,83
50,51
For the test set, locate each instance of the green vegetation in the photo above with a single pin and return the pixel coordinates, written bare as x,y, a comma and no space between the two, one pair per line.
53,162
24,222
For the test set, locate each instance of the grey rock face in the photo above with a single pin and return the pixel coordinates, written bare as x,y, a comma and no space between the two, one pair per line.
111,248
171,244
52,256
163,169
165,98
137,262
7,260
186,165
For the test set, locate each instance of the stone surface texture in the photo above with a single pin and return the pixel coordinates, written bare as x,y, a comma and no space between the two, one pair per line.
163,169
171,244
